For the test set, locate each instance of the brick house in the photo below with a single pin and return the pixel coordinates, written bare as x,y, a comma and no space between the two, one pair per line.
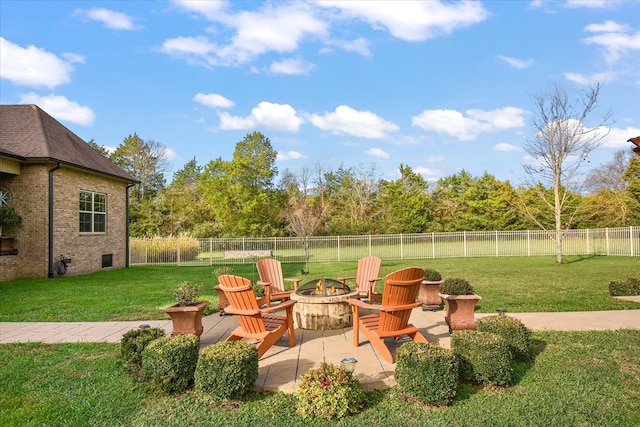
73,200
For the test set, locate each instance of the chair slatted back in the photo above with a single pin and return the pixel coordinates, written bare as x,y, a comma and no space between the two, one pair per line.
400,288
368,269
270,270
241,296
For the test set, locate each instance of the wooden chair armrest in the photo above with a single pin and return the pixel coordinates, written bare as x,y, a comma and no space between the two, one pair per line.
296,281
344,279
261,283
360,304
282,305
390,308
232,310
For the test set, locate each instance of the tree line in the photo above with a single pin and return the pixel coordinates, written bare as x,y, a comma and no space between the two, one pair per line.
240,196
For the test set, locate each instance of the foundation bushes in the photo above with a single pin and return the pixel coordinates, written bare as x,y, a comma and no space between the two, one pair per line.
631,286
515,333
227,370
427,372
484,357
328,392
169,363
133,343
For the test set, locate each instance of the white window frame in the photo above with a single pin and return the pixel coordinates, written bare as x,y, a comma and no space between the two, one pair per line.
92,208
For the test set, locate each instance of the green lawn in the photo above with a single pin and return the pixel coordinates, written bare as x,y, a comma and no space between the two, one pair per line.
139,293
576,379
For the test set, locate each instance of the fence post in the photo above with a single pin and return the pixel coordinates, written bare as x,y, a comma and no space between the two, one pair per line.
631,239
606,239
464,242
497,251
401,247
433,245
370,244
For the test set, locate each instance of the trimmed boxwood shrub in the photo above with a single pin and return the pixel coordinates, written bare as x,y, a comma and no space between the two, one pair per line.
631,286
427,372
227,369
432,275
484,357
169,363
517,335
328,392
134,342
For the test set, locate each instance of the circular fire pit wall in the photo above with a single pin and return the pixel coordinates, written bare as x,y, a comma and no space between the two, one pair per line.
322,304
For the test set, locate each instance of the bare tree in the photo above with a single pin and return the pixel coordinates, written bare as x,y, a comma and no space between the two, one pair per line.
560,147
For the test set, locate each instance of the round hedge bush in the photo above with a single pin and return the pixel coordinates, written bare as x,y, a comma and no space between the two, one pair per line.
427,372
484,357
328,392
515,333
169,363
134,342
431,275
227,369
456,286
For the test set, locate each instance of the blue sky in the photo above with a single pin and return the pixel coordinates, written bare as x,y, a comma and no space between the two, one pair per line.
437,86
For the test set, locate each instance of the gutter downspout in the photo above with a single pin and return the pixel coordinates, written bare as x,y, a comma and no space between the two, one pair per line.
126,247
51,171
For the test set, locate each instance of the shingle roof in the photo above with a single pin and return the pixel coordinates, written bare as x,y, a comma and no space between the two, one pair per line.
636,141
32,134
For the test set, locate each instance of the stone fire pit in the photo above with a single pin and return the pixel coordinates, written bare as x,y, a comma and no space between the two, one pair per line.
322,304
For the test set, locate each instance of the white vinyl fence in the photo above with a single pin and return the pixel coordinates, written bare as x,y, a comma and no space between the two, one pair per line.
623,241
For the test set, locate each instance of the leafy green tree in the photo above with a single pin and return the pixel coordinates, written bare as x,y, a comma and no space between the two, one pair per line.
404,204
99,148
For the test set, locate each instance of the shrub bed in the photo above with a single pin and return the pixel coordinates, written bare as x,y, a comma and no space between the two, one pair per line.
134,342
484,357
169,363
427,372
517,335
227,369
328,392
631,286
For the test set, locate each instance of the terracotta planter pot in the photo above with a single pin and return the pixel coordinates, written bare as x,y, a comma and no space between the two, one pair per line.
460,311
429,295
188,319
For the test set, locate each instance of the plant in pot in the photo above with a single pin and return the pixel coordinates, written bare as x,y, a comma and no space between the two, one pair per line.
8,218
429,288
460,302
186,314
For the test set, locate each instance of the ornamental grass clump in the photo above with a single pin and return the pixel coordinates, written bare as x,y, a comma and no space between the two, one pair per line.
456,286
517,335
483,357
133,343
169,363
329,392
631,286
227,370
427,372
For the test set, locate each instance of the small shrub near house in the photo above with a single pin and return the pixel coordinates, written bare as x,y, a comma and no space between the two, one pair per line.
427,372
631,286
329,392
517,335
227,369
483,357
169,363
134,342
431,275
161,250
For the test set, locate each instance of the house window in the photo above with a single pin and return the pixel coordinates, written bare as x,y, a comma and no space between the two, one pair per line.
93,212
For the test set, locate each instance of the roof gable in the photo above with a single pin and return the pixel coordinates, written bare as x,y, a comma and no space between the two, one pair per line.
29,132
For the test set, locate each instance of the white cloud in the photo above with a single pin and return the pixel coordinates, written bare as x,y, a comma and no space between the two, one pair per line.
32,66
516,63
213,100
363,124
378,152
275,27
359,45
211,10
593,78
109,18
413,20
427,171
434,159
467,128
180,46
281,117
503,146
61,108
615,39
291,155
291,66
592,4
618,137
